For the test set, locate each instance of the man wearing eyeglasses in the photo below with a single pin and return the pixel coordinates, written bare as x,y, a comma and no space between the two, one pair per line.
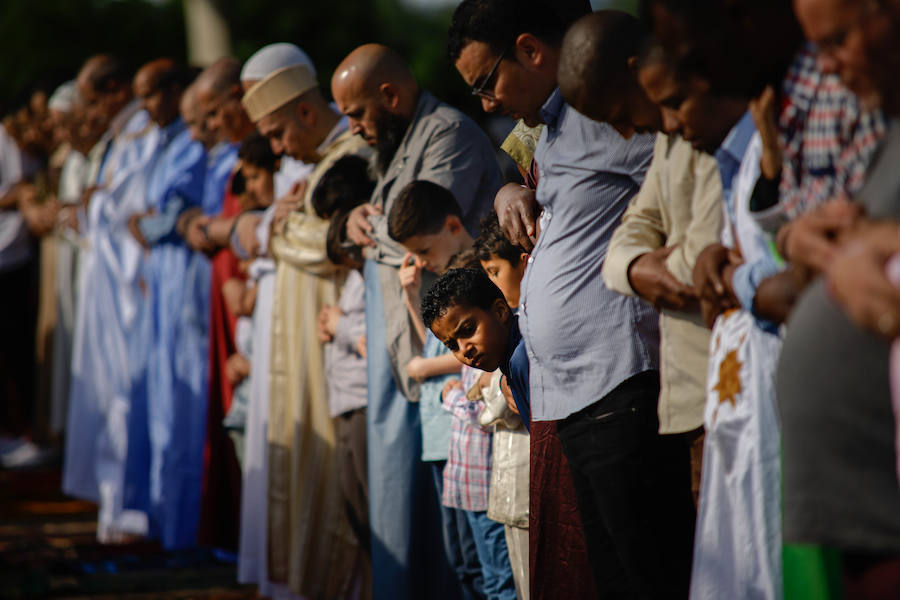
416,137
593,354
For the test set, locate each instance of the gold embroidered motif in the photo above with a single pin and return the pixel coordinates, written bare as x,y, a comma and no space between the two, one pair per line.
729,384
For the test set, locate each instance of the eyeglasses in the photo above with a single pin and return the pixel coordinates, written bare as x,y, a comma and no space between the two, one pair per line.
486,88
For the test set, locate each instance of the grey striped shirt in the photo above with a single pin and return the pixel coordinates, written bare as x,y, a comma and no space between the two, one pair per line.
582,338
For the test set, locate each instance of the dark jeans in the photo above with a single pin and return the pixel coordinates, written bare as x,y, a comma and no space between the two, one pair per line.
634,493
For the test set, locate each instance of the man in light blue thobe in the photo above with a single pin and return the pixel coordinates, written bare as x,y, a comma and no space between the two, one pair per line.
175,334
111,299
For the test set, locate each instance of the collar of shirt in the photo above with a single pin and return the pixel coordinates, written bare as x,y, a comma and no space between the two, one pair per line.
514,336
731,151
342,125
552,108
170,131
121,119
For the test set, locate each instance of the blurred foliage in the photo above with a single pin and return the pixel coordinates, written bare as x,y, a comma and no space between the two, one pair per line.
45,41
329,35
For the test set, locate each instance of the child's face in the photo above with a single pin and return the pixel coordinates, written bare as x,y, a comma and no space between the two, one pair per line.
259,183
477,337
436,249
505,276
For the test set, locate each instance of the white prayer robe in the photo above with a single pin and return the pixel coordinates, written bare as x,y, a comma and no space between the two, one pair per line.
253,551
103,364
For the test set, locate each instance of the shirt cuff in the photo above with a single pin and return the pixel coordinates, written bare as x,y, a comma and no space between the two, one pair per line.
156,228
746,280
616,265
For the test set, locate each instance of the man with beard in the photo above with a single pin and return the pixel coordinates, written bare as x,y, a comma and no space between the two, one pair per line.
254,550
833,384
310,544
416,137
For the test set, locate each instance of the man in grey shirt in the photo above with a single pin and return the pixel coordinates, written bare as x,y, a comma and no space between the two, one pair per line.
593,353
839,453
416,137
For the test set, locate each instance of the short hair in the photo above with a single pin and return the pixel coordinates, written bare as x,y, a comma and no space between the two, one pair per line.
466,259
739,46
257,151
459,287
238,182
176,75
595,52
421,208
499,22
492,242
343,187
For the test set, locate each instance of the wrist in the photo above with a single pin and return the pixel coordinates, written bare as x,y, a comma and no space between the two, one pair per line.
781,241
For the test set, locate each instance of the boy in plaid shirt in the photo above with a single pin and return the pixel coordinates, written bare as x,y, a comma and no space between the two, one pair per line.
426,220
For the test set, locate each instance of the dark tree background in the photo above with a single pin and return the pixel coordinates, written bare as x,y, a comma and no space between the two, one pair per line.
44,42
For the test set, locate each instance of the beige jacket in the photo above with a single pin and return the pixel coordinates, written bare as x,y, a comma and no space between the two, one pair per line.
310,540
680,204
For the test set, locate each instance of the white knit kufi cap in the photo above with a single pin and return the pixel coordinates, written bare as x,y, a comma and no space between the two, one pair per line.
273,57
64,98
276,90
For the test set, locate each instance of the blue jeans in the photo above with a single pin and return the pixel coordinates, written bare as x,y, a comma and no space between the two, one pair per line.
460,542
490,541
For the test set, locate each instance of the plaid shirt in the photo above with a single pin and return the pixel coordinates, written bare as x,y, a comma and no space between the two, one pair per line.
827,136
467,474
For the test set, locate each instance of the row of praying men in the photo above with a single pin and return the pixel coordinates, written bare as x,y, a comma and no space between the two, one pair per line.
316,325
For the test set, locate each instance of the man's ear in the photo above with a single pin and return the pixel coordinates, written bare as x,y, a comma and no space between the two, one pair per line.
306,115
453,224
529,50
632,64
389,96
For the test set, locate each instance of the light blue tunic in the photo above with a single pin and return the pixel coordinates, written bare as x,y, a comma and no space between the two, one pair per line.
177,340
109,314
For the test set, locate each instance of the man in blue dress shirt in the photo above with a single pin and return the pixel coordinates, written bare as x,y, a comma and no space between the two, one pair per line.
593,353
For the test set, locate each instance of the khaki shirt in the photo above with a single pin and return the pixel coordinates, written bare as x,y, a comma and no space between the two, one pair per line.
679,204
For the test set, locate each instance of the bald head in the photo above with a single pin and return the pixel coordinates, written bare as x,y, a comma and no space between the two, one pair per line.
371,65
220,77
597,75
158,85
102,73
374,83
218,93
156,73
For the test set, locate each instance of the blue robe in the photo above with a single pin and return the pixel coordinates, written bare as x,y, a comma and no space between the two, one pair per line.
177,336
109,315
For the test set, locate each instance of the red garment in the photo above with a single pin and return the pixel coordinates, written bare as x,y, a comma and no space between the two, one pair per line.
557,550
220,507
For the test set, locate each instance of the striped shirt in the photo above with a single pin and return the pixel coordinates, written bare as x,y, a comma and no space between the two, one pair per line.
827,136
582,338
467,474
